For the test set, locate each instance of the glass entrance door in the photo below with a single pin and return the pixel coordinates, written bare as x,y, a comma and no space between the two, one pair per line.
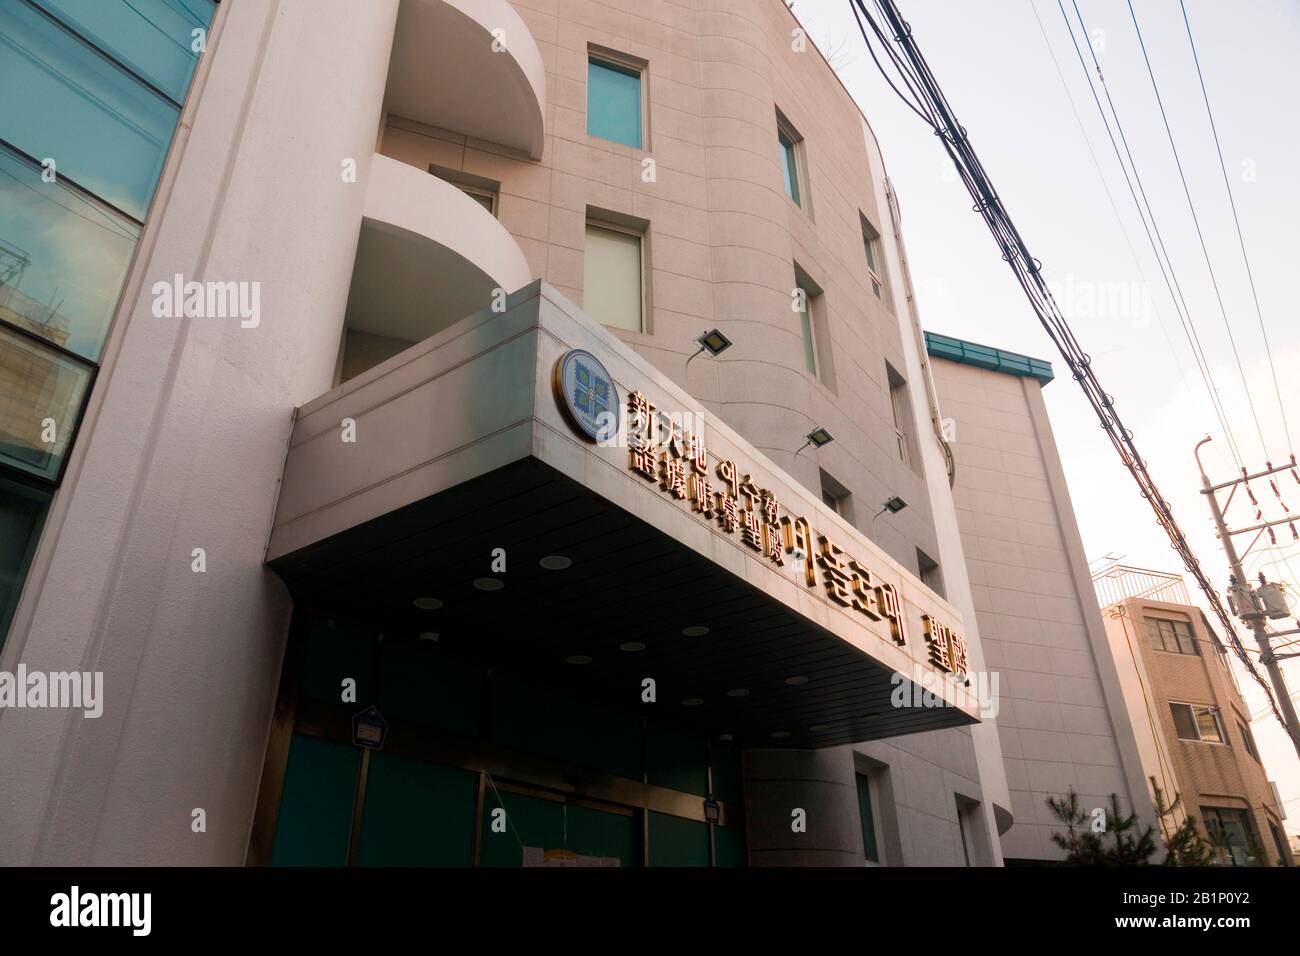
526,827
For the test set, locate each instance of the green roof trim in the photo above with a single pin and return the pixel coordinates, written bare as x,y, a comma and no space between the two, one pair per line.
984,356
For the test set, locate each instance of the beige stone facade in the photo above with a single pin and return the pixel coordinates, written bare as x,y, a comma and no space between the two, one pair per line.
1061,719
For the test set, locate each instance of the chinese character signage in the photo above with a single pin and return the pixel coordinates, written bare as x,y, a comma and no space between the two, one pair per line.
662,452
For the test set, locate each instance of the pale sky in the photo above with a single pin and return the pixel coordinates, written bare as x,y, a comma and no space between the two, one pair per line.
996,70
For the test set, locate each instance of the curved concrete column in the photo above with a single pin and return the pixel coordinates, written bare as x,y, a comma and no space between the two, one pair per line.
471,66
819,782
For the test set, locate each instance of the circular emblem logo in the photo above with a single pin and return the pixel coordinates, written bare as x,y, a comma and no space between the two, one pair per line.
587,395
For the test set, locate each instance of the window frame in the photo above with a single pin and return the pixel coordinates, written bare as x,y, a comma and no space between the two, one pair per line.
1248,740
629,65
1156,630
1242,818
866,791
873,249
791,143
641,234
1196,711
900,404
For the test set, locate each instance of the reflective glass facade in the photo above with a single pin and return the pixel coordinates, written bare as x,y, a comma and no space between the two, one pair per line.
93,94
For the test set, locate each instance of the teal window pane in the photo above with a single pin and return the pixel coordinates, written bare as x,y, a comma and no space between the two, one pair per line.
789,170
40,400
727,775
22,514
728,846
417,814
112,132
154,38
549,831
614,103
868,820
675,841
63,259
314,825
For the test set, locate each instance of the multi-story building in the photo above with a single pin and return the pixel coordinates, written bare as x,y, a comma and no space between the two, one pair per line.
355,506
1061,718
473,432
1190,721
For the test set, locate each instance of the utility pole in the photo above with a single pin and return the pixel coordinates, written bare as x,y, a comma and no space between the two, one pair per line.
1248,606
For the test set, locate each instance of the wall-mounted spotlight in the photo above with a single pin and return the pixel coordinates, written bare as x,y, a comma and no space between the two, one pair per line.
893,505
713,342
817,438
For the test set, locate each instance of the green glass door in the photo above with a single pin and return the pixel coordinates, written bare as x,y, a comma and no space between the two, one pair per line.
538,831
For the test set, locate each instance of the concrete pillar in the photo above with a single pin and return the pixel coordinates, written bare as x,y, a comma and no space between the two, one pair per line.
819,782
183,448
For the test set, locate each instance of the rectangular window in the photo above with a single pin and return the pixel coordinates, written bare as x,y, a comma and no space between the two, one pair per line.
1279,844
871,243
612,278
614,102
1231,835
931,576
1197,722
1248,739
901,408
809,303
1176,637
482,190
22,513
790,143
869,848
836,497
806,331
111,131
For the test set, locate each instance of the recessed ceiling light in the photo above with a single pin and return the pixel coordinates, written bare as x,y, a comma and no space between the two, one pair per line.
797,681
692,701
631,646
578,659
820,728
429,636
489,584
695,630
427,603
555,562
738,692
725,737
779,734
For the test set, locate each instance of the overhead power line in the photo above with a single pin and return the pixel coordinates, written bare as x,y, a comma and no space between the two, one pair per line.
929,102
1250,274
1191,206
1119,220
1157,240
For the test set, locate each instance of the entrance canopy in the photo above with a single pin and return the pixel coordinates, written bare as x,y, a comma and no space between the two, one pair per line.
455,491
